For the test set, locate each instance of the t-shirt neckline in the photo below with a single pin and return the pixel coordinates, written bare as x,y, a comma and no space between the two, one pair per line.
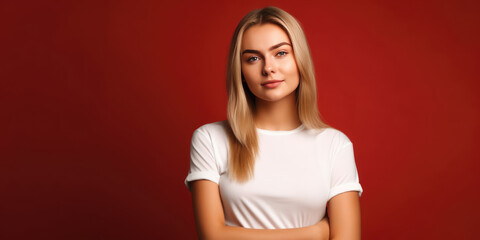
282,132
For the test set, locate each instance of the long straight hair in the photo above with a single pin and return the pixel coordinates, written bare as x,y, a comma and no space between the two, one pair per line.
241,129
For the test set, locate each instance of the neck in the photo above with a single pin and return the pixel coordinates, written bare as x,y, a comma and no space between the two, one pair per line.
280,115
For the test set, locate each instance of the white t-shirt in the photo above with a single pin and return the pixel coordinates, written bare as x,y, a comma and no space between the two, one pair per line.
296,173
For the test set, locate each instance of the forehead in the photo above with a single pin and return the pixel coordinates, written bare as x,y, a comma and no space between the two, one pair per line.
261,37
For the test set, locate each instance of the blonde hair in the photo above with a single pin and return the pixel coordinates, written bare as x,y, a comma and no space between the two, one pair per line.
240,127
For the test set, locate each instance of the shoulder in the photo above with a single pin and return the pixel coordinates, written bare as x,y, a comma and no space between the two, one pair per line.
340,137
212,131
218,127
331,135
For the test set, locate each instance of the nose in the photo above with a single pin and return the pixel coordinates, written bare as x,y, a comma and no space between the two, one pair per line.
269,67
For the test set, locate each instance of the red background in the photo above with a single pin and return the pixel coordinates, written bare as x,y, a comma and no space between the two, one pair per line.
99,100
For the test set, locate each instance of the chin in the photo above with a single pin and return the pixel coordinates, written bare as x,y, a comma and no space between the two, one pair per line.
272,98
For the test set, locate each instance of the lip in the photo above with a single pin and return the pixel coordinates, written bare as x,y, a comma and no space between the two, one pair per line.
272,83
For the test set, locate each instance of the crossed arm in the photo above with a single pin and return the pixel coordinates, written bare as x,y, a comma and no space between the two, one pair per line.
343,211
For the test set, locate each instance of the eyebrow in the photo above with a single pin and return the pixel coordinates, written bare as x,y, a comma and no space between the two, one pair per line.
270,49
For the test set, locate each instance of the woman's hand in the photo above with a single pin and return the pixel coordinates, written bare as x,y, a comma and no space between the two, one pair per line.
322,229
210,220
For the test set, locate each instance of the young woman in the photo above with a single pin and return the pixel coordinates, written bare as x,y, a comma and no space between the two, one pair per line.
269,170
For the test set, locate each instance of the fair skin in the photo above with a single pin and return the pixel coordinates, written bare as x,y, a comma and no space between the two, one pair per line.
267,54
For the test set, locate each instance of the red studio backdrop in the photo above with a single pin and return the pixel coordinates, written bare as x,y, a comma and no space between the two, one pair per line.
99,100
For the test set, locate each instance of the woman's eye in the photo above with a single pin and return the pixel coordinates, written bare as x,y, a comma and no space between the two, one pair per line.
282,53
252,59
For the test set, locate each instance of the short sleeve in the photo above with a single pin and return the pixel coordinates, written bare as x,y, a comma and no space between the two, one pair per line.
202,159
344,172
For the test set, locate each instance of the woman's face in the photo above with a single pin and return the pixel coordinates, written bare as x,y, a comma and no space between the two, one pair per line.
267,56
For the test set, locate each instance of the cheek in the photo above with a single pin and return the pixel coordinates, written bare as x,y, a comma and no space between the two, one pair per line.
291,68
249,73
